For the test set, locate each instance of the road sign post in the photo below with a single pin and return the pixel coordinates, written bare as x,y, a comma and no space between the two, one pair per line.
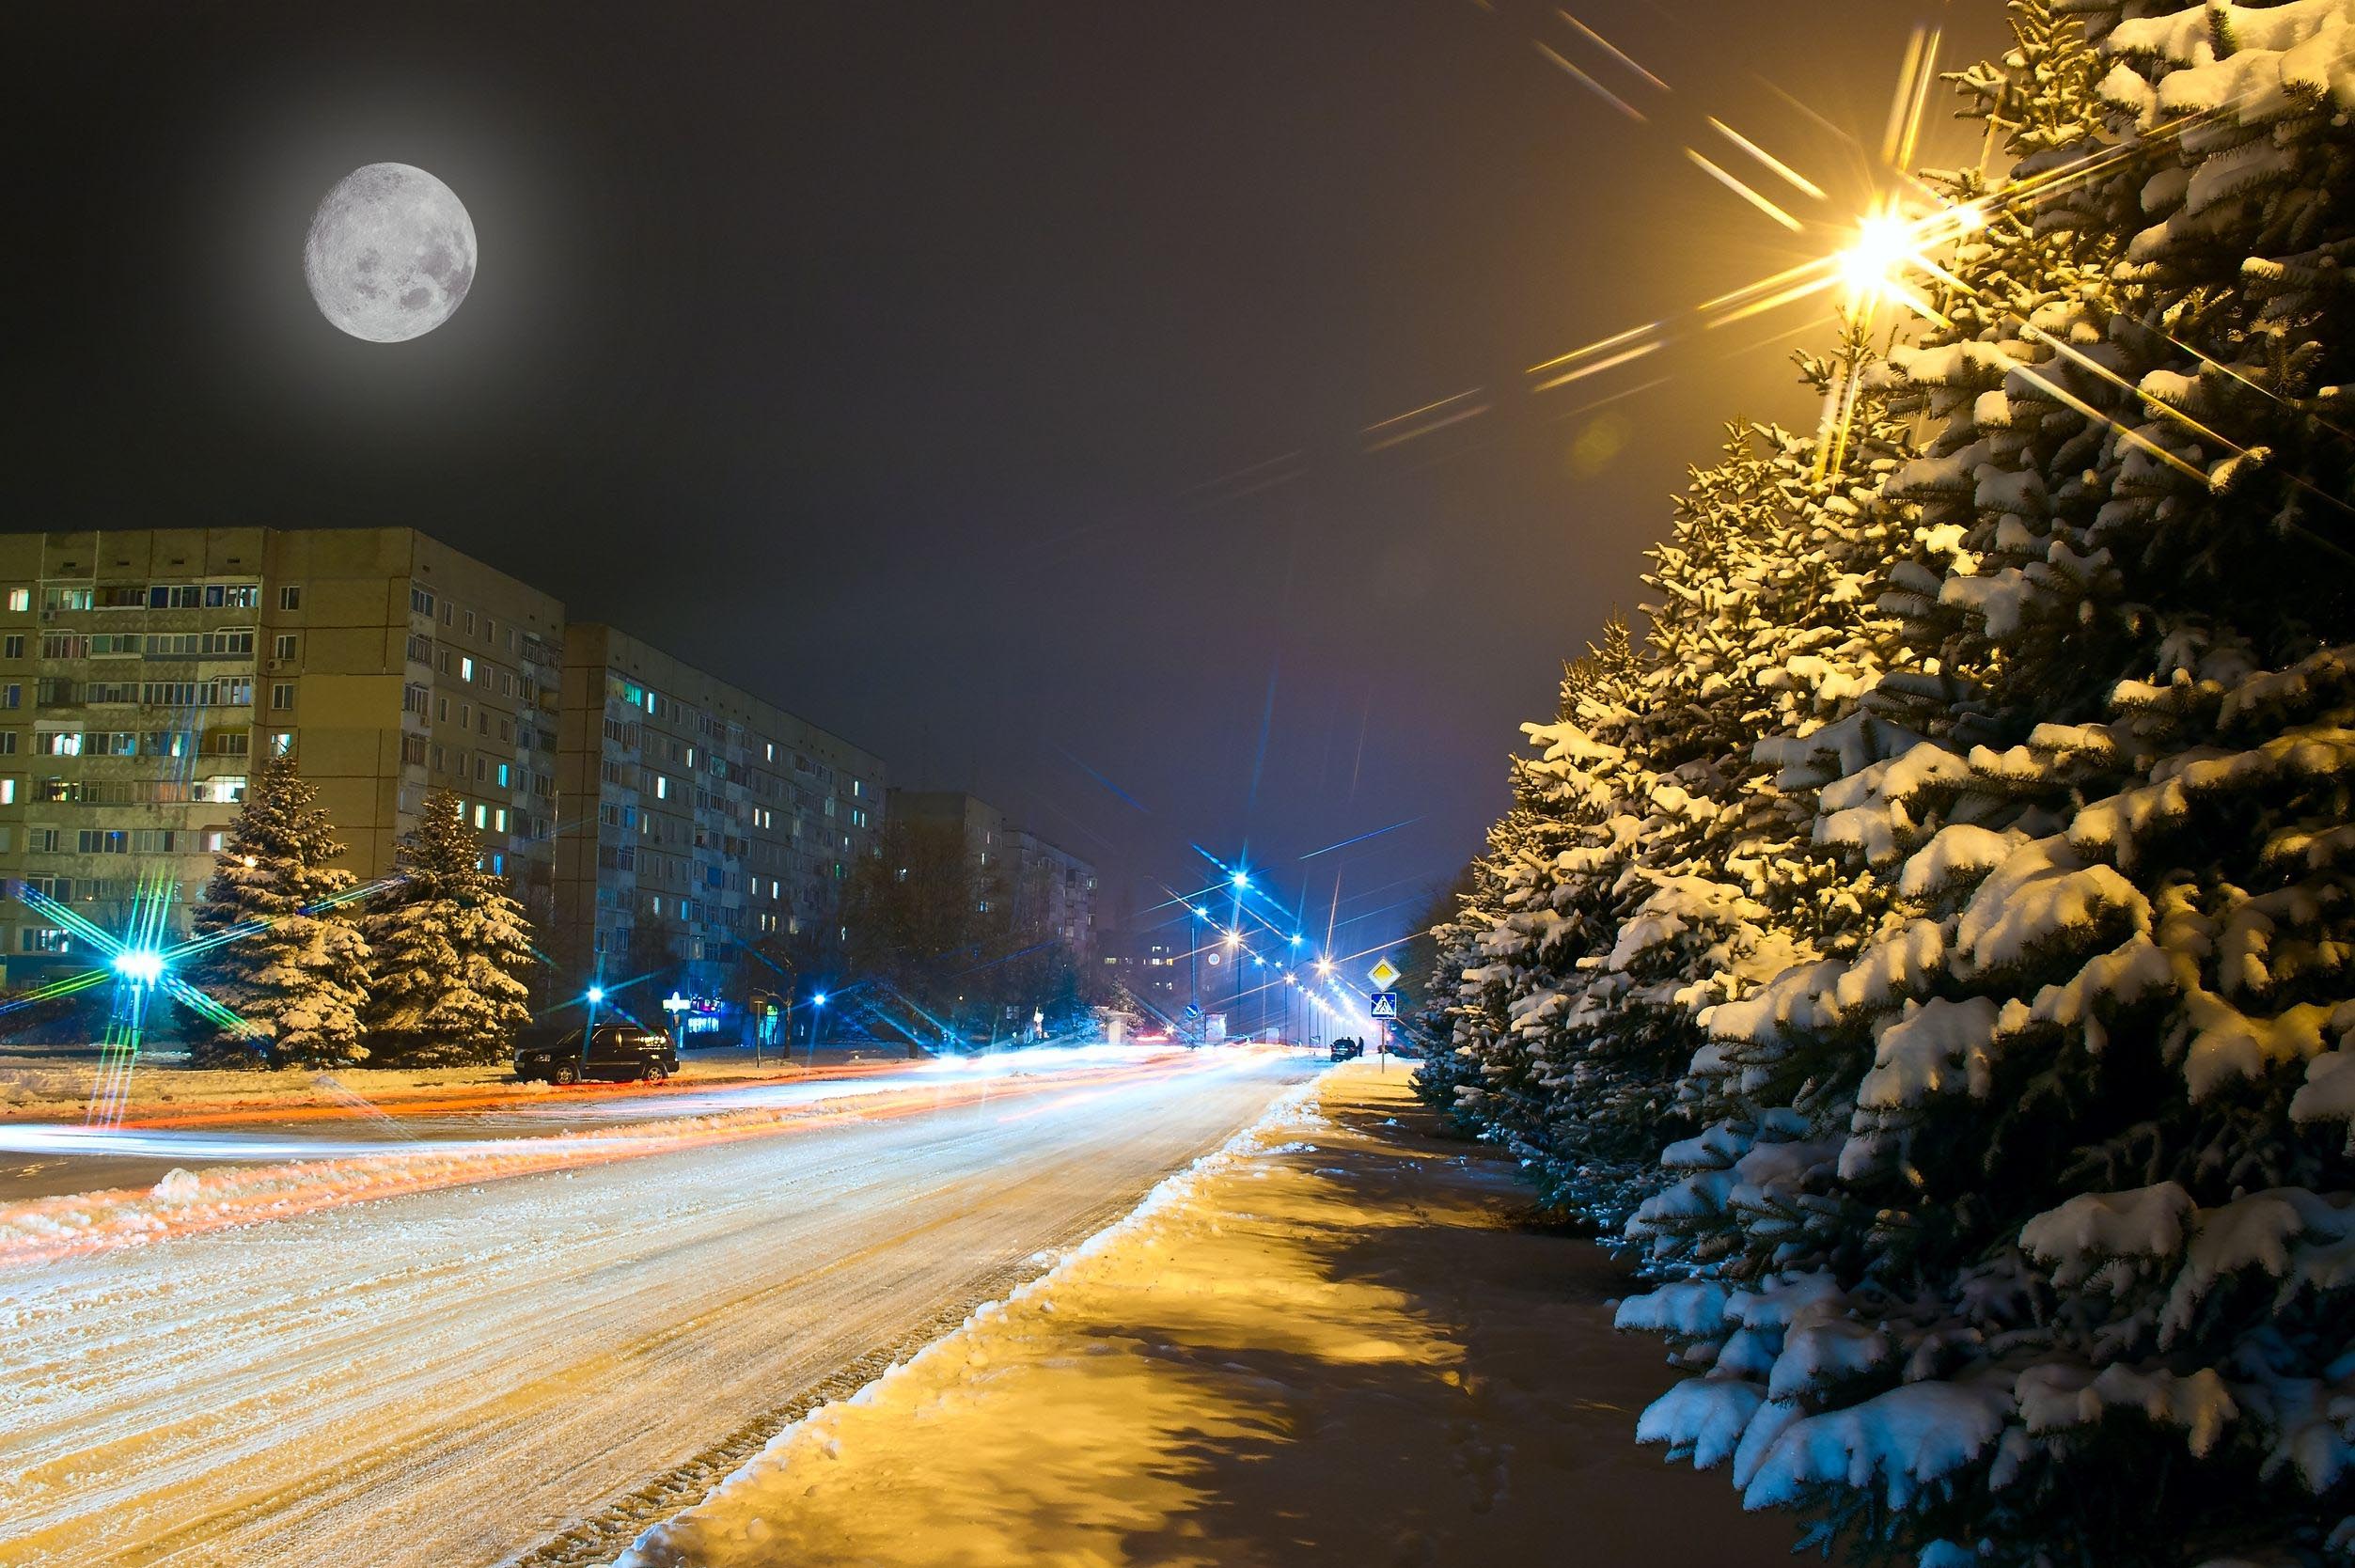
1384,1011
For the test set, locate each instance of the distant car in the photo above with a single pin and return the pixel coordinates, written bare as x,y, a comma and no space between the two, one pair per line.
622,1051
1345,1049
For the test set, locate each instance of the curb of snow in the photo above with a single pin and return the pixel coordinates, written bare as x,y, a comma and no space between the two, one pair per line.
1294,1107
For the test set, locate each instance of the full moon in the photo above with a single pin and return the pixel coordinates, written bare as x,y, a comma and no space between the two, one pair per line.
391,253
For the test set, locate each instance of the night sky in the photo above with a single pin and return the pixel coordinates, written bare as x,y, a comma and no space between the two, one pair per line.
988,382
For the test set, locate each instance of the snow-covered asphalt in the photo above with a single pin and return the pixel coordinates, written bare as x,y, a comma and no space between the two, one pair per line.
460,1374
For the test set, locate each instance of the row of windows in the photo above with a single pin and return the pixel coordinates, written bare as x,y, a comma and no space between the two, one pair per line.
462,665
422,602
134,742
732,735
235,691
230,643
225,789
151,596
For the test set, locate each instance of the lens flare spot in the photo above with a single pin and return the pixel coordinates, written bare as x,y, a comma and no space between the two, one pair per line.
1598,444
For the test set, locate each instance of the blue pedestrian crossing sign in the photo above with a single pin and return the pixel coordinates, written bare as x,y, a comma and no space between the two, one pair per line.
1385,1004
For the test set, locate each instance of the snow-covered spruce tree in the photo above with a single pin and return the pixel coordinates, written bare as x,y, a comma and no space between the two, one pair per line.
1547,897
2033,1248
1668,877
452,948
296,973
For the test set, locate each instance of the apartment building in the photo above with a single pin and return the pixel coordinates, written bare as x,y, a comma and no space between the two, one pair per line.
142,671
1047,889
698,820
981,826
1052,891
1153,967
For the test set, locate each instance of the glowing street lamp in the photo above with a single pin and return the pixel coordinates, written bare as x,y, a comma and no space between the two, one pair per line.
1871,267
1242,881
596,996
140,965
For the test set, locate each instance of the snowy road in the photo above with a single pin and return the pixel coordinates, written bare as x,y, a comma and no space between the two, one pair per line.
460,1376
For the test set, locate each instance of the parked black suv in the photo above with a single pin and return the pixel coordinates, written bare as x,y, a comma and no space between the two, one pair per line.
1347,1049
615,1051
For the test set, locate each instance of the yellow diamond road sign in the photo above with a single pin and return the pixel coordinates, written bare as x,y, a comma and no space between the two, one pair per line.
1383,973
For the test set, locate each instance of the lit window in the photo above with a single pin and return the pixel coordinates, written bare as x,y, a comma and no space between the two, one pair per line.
8,791
481,816
281,743
466,670
20,599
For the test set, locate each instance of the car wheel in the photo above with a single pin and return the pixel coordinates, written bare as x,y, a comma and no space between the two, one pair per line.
567,1074
655,1073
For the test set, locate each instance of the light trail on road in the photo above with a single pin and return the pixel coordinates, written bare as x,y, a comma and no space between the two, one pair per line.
326,1173
462,1374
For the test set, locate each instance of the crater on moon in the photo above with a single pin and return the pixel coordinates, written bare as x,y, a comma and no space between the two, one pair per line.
390,255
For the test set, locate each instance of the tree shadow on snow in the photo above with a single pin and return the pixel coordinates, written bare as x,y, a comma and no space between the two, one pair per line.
1487,1410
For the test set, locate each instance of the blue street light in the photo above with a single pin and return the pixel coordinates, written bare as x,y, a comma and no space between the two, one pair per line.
1242,879
818,999
596,995
1295,938
140,965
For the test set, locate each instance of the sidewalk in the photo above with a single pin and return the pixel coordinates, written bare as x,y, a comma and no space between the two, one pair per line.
1329,1347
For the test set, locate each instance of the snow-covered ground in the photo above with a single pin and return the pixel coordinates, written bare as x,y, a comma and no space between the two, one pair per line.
460,1375
1323,1344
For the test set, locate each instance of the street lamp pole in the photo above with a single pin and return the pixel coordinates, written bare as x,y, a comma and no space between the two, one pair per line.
596,995
1194,968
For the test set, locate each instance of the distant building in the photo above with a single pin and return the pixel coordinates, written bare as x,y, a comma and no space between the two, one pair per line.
1047,889
1152,966
1053,891
981,826
708,820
